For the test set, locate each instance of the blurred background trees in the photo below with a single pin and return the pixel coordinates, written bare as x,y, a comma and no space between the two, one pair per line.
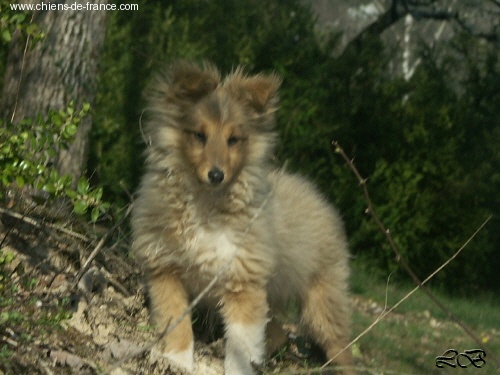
410,89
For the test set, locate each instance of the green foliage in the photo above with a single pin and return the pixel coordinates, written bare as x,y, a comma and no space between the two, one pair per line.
27,153
418,160
6,257
429,151
12,20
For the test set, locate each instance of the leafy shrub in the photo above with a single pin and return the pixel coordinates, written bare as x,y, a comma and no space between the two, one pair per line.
12,20
27,153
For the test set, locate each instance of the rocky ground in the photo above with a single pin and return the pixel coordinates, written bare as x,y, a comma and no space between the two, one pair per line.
75,304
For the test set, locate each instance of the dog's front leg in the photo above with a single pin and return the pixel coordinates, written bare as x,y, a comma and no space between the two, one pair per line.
244,311
169,300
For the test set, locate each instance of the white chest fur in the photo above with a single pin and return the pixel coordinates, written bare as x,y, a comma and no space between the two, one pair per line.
211,248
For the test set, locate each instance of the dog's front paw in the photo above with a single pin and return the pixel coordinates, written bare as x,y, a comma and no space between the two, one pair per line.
182,361
244,348
239,364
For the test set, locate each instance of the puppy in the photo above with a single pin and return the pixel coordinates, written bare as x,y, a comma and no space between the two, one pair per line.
211,205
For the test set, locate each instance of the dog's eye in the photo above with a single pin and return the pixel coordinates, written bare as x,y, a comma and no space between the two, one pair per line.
232,140
200,136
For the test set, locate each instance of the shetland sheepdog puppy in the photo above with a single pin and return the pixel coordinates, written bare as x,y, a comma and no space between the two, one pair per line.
211,205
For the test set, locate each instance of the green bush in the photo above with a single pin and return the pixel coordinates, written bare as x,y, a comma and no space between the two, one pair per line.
11,20
27,153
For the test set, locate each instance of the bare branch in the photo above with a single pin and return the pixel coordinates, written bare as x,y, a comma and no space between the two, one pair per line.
422,10
99,246
382,23
385,312
37,223
420,285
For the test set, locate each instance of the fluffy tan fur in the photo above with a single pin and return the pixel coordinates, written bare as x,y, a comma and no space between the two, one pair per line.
209,200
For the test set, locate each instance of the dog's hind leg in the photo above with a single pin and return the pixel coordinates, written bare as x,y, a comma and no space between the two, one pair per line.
325,315
169,300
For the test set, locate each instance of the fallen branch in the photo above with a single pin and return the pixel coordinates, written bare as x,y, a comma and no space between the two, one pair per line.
37,223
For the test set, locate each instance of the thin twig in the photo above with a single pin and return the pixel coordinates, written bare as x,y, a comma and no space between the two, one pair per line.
22,72
385,312
371,210
37,223
170,327
98,247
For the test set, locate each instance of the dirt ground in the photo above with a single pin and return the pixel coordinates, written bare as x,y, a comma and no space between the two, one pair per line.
65,312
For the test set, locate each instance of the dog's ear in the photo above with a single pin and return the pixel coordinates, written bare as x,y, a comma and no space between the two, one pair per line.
192,82
259,92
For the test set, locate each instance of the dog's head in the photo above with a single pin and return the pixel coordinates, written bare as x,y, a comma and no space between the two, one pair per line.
216,126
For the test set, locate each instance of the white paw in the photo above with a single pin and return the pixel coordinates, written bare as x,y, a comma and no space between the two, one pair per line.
244,347
183,361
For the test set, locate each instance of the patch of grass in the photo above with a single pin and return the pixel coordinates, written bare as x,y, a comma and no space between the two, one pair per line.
408,340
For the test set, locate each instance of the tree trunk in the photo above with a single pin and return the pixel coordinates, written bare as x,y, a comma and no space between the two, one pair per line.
61,68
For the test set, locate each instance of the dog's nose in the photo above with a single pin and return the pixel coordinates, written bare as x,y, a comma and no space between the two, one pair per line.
215,176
